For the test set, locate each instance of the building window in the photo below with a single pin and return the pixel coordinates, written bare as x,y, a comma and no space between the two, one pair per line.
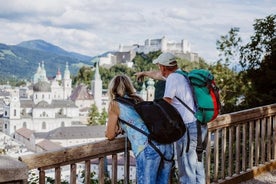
6,113
43,96
6,126
24,124
43,125
14,112
62,124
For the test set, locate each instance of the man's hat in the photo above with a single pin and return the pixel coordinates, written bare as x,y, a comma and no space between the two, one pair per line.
166,59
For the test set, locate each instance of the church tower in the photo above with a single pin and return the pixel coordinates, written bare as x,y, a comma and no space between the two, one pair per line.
40,74
67,83
14,110
96,88
150,90
143,92
58,75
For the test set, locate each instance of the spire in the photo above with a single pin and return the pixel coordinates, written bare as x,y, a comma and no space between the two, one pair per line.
97,75
43,72
66,72
150,89
58,75
38,68
143,92
40,74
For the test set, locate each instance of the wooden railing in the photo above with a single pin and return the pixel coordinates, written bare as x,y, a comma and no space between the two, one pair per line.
240,145
79,154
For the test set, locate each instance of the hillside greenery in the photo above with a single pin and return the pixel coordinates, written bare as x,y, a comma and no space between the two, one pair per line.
20,62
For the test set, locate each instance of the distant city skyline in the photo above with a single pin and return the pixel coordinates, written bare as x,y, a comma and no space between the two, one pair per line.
94,27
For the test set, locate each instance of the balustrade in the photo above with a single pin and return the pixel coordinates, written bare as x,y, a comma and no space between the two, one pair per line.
240,145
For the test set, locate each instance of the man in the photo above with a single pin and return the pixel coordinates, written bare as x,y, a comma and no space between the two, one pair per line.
190,168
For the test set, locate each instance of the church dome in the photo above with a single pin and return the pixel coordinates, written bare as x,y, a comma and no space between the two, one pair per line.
42,86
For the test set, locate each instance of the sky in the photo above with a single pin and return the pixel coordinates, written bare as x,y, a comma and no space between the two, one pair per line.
92,27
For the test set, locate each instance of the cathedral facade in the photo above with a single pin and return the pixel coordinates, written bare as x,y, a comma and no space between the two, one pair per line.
48,108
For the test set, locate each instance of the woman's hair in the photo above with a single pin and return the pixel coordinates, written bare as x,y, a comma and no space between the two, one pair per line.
121,85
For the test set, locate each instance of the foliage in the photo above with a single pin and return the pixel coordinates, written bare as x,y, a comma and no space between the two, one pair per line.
228,47
34,179
229,81
103,117
21,63
188,65
92,179
93,116
262,43
255,85
84,76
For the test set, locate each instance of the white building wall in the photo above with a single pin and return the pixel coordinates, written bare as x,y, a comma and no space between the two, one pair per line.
43,113
38,125
71,112
150,45
57,91
42,96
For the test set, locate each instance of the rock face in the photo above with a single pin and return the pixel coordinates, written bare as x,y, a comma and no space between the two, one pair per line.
12,170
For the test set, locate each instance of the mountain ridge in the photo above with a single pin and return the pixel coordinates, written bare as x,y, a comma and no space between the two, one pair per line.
21,60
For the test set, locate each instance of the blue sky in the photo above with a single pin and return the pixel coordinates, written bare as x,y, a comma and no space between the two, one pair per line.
93,27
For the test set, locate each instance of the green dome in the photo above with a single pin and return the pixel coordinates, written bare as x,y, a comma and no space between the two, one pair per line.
42,86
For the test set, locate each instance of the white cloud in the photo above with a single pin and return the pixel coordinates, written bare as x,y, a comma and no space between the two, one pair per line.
93,27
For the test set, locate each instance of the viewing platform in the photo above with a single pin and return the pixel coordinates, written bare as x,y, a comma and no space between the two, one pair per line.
241,147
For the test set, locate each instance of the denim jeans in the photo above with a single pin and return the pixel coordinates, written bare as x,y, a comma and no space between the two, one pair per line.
150,169
190,170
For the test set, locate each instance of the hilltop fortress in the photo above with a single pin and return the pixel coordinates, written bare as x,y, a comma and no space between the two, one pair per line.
126,53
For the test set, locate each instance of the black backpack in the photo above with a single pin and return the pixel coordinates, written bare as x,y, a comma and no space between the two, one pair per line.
162,119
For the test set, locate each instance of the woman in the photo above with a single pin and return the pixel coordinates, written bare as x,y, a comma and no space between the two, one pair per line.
150,169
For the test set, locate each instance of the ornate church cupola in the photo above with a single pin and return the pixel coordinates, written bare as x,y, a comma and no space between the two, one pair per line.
150,90
66,72
58,75
40,74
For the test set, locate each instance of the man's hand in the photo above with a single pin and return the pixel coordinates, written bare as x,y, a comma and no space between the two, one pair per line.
140,76
152,74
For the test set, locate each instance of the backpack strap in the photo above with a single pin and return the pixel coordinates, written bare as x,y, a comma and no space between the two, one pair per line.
124,100
149,140
183,103
199,146
128,102
185,74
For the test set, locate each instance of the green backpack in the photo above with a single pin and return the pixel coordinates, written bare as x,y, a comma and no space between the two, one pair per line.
206,94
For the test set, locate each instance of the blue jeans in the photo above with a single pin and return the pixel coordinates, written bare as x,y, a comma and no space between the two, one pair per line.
190,170
150,169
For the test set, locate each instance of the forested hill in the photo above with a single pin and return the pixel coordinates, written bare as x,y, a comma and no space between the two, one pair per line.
21,61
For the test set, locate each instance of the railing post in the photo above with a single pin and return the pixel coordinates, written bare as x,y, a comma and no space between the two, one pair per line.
126,162
12,171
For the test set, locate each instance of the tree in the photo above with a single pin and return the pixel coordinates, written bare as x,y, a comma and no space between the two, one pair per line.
229,80
258,58
261,44
103,117
228,47
93,116
256,83
84,76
